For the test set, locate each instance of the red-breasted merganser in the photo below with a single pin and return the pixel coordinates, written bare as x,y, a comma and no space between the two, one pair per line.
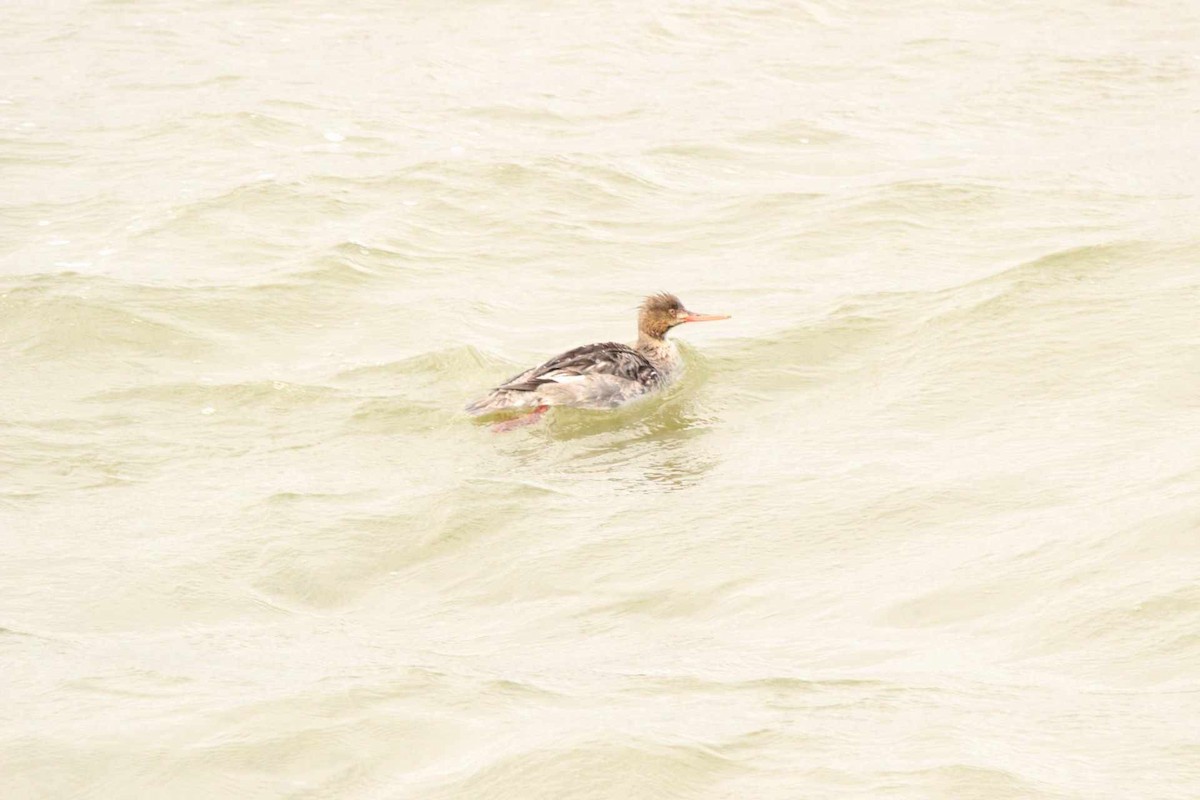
598,376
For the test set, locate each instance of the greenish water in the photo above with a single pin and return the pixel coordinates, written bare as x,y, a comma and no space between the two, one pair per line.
919,522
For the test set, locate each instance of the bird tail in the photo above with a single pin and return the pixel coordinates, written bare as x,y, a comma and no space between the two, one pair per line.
497,400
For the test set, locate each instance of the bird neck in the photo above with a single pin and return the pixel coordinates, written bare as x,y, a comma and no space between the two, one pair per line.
659,351
650,339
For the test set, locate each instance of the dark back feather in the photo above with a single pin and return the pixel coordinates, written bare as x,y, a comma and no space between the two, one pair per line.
606,358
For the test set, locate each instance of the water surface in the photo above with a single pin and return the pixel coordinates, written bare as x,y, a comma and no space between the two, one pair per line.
920,522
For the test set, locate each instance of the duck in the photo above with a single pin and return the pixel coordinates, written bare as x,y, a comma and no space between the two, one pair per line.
599,376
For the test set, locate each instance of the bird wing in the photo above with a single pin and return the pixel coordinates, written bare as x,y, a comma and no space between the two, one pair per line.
575,366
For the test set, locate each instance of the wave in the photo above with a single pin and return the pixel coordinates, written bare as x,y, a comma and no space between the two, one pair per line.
616,769
46,322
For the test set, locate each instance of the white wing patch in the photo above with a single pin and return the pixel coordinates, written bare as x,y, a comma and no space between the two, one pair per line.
561,378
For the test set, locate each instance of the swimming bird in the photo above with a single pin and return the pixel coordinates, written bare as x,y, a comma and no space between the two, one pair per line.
598,376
